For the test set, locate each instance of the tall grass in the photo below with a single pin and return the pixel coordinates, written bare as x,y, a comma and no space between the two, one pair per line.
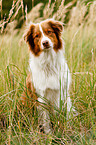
19,124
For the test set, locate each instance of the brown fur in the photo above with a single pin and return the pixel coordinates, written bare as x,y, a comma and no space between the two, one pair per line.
29,92
51,29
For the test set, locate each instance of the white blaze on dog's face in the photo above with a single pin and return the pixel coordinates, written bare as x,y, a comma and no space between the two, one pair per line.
42,37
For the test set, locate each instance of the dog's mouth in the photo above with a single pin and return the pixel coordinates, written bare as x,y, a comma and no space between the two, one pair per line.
47,48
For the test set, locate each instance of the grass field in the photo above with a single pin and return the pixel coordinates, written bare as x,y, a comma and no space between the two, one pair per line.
19,125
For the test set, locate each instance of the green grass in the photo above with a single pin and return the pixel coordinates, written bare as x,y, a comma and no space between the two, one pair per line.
19,125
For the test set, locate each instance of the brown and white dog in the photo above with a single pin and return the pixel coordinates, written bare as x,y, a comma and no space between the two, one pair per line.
49,71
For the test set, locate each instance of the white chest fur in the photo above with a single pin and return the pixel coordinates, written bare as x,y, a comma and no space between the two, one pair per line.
47,70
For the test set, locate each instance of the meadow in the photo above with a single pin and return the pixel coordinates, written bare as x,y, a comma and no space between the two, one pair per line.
18,123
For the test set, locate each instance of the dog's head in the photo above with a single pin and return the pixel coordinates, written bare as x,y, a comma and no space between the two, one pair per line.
42,37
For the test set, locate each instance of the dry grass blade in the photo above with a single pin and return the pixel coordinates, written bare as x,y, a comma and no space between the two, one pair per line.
62,10
34,14
16,6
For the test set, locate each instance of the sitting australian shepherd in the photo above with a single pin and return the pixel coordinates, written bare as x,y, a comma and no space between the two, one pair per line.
49,73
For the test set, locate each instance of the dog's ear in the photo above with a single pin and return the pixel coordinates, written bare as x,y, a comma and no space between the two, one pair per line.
56,25
28,37
29,33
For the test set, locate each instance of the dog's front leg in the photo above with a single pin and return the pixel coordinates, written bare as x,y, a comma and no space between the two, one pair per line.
43,115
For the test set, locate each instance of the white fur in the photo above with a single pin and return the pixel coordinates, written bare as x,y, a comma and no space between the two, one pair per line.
45,38
47,70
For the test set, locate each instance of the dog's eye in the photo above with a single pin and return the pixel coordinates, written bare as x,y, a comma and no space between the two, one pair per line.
49,32
36,36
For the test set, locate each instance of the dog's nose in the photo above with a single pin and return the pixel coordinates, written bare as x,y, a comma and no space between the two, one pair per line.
45,44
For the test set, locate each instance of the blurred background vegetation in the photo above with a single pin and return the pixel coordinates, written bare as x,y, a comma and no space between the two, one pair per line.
7,4
8,7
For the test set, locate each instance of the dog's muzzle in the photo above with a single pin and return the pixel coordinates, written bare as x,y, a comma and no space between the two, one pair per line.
46,44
